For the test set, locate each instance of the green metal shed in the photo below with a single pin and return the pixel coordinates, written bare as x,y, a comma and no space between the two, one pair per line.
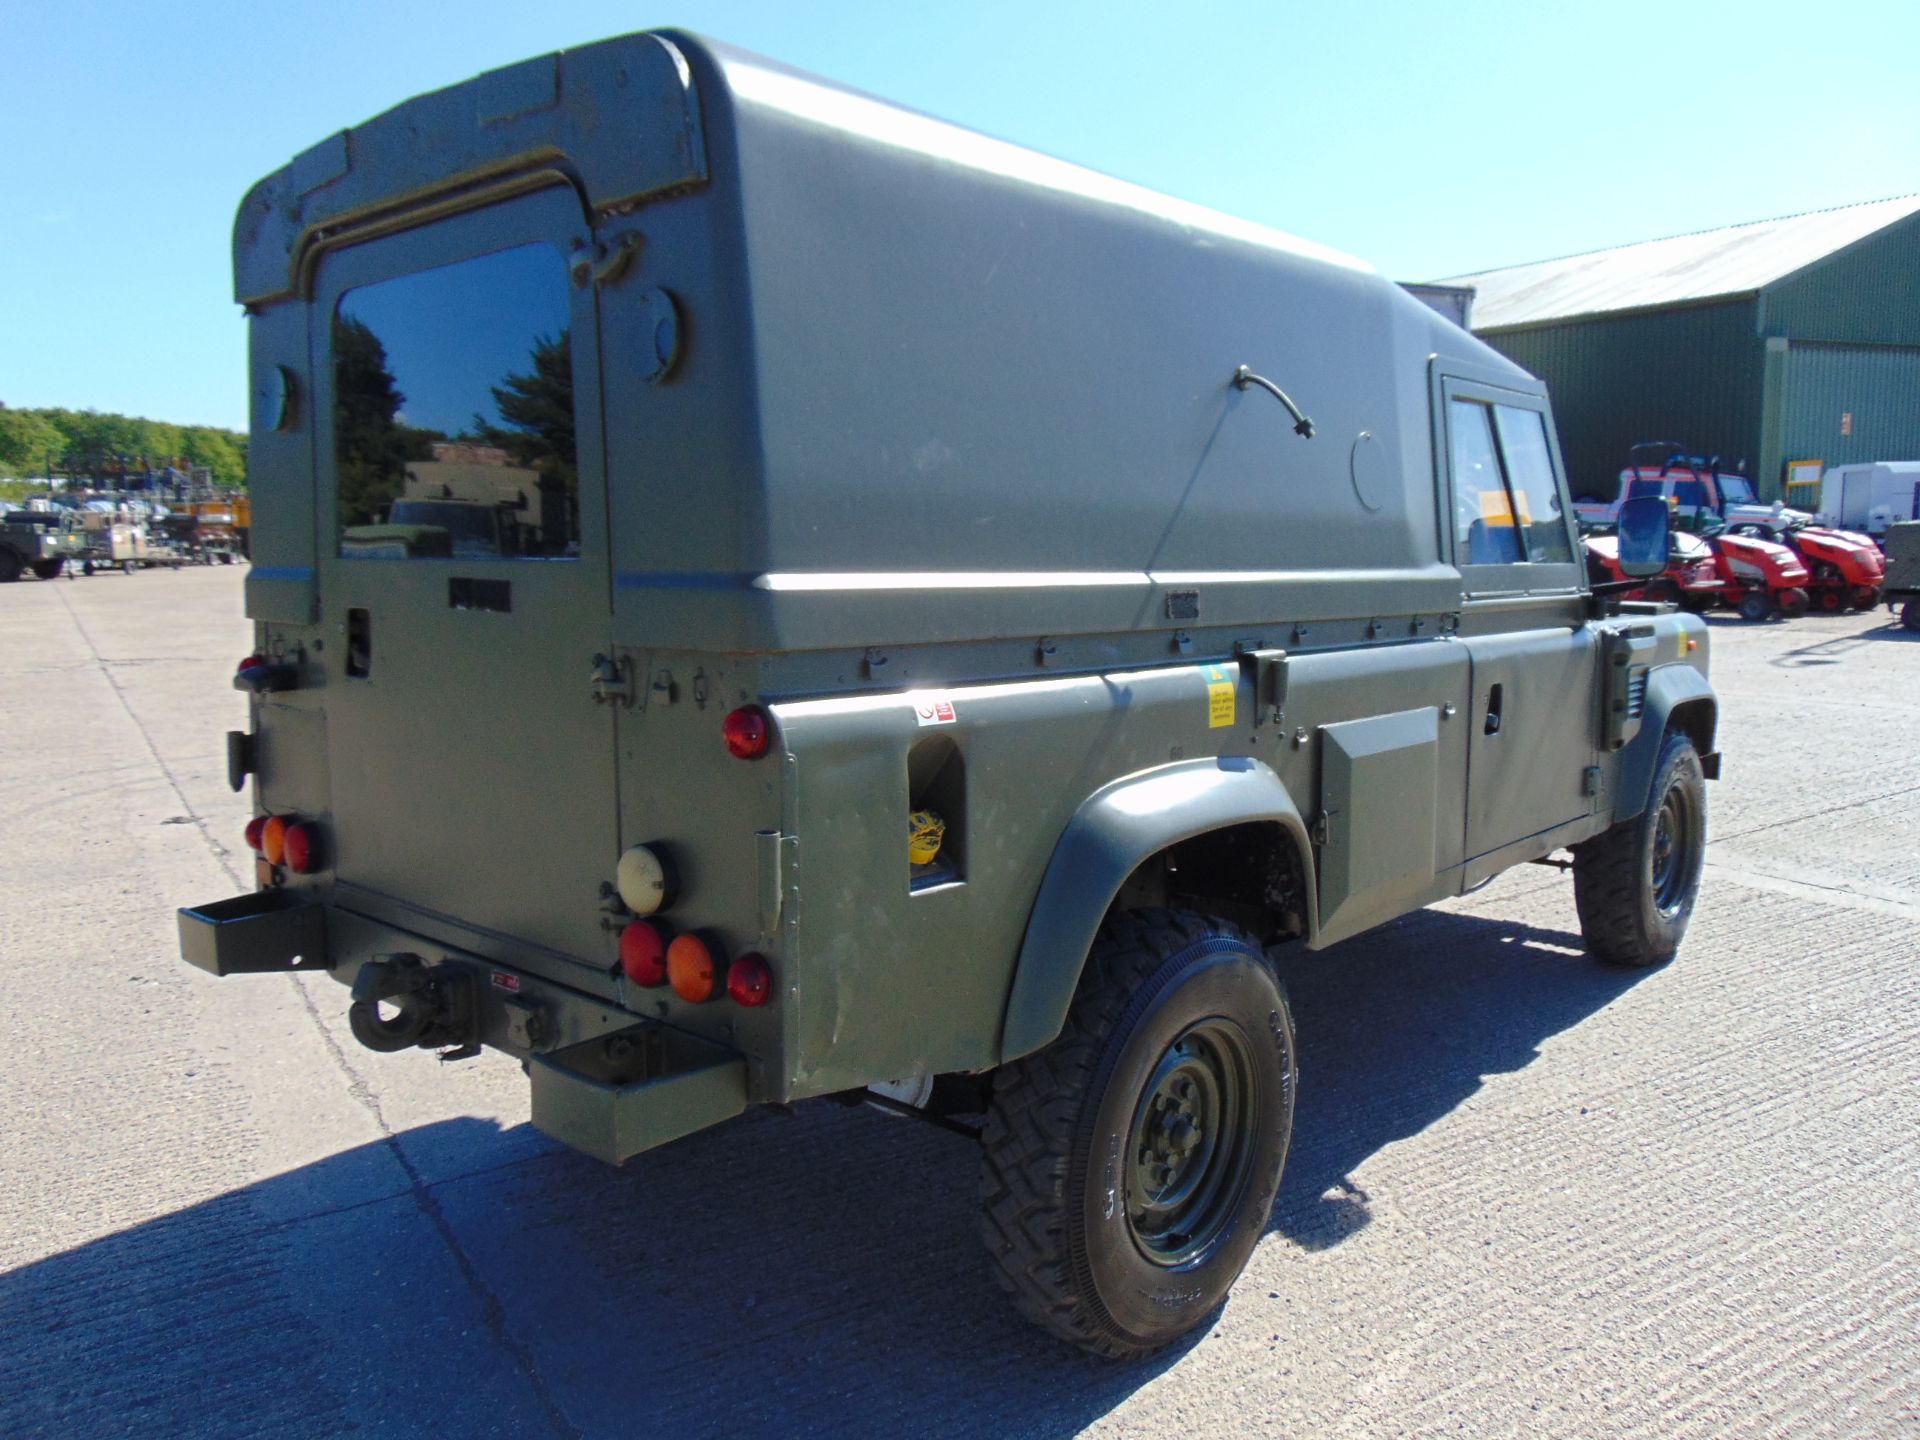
1776,341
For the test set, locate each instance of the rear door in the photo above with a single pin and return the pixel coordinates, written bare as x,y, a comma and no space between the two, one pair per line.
466,581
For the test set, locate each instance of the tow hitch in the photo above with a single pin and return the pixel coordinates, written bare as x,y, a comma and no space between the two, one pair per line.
399,1002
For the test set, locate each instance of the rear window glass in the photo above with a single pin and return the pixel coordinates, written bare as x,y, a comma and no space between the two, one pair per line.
453,412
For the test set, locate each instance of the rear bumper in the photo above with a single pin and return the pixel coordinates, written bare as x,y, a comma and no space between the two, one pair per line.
605,1081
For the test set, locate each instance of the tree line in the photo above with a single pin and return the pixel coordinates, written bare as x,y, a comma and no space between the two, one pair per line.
31,440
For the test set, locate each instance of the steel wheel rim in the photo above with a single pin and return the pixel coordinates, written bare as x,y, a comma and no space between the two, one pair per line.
1190,1148
1676,831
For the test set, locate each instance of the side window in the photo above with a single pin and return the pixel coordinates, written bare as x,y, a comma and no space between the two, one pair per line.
1523,440
1483,518
1507,508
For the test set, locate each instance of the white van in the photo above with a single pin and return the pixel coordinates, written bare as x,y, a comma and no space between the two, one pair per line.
1870,496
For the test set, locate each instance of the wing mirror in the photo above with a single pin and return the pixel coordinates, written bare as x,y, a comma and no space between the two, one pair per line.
1641,531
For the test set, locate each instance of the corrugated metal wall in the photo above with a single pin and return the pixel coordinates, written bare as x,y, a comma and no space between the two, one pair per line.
1867,295
1878,386
1686,373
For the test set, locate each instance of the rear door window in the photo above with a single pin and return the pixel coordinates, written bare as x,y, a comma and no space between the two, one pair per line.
454,412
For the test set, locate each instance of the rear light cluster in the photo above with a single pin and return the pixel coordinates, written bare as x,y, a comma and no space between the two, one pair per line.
688,963
286,840
650,955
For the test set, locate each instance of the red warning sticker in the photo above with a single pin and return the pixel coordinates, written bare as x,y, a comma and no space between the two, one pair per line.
503,981
932,709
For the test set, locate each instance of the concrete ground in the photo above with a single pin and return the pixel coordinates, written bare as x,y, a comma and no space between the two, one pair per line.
1529,1195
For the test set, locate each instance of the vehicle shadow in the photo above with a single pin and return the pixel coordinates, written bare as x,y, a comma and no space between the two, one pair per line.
818,1273
1399,1026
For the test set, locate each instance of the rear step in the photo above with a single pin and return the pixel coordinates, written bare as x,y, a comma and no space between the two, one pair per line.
618,1095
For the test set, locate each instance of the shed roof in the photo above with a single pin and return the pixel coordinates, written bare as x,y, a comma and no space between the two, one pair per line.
1735,260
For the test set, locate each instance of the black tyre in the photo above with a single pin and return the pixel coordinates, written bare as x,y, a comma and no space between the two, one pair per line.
10,566
1831,599
1866,597
1130,1167
1754,605
49,569
1910,615
1793,601
1635,885
127,567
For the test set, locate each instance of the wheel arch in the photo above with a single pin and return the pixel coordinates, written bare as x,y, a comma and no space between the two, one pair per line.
1117,831
1678,698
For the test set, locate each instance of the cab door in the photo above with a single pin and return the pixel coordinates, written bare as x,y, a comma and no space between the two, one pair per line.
465,582
1532,736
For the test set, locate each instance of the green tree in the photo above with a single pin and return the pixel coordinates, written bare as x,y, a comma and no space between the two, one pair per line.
28,439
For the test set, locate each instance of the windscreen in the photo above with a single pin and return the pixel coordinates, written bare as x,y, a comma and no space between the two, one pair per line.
454,413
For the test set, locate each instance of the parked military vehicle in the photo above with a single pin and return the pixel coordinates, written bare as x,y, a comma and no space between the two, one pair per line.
987,621
1903,571
38,542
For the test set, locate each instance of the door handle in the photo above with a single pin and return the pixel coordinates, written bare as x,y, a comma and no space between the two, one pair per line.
1493,711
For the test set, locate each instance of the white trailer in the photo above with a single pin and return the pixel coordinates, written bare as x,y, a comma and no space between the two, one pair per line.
1870,496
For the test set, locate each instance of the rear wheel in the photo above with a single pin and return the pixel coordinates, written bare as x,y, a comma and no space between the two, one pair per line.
1831,599
1793,601
1634,886
1130,1167
127,567
1910,615
50,569
1866,597
1754,605
10,566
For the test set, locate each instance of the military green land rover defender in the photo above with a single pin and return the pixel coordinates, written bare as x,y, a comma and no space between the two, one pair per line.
905,616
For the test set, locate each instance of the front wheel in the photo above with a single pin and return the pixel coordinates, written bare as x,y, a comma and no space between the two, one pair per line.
1131,1166
1866,597
1635,885
1754,605
1793,601
50,569
1910,615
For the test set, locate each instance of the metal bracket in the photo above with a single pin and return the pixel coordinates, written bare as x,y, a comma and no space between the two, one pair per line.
1269,669
612,680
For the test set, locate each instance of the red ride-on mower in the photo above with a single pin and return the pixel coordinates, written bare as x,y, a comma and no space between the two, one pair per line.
1691,579
1759,578
1844,568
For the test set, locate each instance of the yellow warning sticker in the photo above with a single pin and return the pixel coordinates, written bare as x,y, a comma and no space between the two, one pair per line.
1220,691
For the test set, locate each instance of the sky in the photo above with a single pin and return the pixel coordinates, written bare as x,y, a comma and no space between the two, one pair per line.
1430,140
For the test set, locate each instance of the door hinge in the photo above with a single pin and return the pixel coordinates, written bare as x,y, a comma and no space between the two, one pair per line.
1590,780
612,680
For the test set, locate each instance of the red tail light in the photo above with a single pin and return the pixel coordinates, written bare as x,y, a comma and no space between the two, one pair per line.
690,968
254,827
748,980
301,845
746,732
643,954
